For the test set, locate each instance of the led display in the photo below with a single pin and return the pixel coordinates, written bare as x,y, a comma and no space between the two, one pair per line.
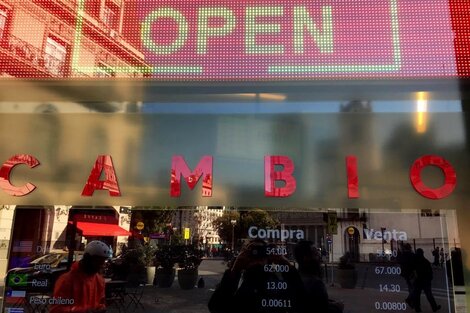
232,40
297,40
230,260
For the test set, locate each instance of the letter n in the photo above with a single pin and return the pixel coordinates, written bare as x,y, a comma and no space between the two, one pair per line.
271,176
103,162
179,167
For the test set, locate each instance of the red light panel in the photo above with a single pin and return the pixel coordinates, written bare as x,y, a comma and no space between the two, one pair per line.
232,40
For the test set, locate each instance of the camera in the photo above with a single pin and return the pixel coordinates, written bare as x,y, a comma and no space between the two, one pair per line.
258,251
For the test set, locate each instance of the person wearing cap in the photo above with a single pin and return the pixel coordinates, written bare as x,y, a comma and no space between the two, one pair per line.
83,287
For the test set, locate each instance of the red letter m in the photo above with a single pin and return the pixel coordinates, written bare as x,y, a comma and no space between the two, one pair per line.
179,167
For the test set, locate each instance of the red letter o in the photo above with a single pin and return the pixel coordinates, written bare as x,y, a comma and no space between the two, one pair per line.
450,177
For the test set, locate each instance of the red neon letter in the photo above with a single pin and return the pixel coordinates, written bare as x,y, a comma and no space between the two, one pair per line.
353,179
179,167
271,176
103,162
6,169
450,177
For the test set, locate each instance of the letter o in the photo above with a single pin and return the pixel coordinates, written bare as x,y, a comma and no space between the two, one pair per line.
261,233
450,177
146,31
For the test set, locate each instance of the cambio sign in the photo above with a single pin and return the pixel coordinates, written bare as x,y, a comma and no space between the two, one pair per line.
283,39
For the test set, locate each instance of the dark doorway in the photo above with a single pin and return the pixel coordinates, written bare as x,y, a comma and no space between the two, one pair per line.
352,240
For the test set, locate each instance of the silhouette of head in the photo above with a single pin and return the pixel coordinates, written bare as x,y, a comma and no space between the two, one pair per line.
419,252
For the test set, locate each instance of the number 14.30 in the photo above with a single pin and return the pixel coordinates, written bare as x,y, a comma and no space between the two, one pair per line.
389,288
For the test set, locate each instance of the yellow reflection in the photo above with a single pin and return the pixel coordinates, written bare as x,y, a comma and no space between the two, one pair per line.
262,96
421,111
272,96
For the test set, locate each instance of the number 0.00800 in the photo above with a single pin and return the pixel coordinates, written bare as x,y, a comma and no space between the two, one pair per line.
390,306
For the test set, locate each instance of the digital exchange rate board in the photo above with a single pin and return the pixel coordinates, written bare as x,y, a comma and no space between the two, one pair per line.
255,260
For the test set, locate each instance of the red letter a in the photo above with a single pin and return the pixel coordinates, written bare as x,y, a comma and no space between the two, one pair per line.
103,162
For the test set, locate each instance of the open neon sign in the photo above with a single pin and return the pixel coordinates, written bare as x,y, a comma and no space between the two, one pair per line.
282,39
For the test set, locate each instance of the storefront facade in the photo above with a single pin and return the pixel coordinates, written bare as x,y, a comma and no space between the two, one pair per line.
338,122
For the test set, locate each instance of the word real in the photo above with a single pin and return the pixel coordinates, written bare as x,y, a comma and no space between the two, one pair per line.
278,170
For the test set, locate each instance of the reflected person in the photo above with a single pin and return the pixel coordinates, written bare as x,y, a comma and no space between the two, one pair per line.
260,280
309,260
424,275
83,283
406,260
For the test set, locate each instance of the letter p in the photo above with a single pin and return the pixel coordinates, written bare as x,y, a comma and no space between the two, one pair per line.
205,31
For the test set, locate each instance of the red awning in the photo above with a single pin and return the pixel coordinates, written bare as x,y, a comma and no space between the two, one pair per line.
100,229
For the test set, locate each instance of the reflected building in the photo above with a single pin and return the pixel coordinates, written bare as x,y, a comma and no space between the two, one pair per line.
38,39
365,233
200,222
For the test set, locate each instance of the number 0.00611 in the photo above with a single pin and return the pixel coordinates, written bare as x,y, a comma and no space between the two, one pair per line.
275,303
390,306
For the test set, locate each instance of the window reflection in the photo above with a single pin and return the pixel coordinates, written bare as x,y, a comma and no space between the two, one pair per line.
3,21
195,104
206,241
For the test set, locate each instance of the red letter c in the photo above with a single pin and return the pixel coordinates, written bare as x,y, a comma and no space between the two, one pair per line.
6,169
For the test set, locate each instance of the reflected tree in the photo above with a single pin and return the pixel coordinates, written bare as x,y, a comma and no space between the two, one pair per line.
245,218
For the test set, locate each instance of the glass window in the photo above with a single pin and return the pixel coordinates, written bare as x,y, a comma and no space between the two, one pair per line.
3,21
54,56
280,253
103,71
110,16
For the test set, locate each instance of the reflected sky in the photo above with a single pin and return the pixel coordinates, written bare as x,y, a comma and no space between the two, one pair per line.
434,106
234,104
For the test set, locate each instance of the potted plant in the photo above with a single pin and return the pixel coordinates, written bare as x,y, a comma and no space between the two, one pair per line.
133,265
165,271
149,261
188,262
347,273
